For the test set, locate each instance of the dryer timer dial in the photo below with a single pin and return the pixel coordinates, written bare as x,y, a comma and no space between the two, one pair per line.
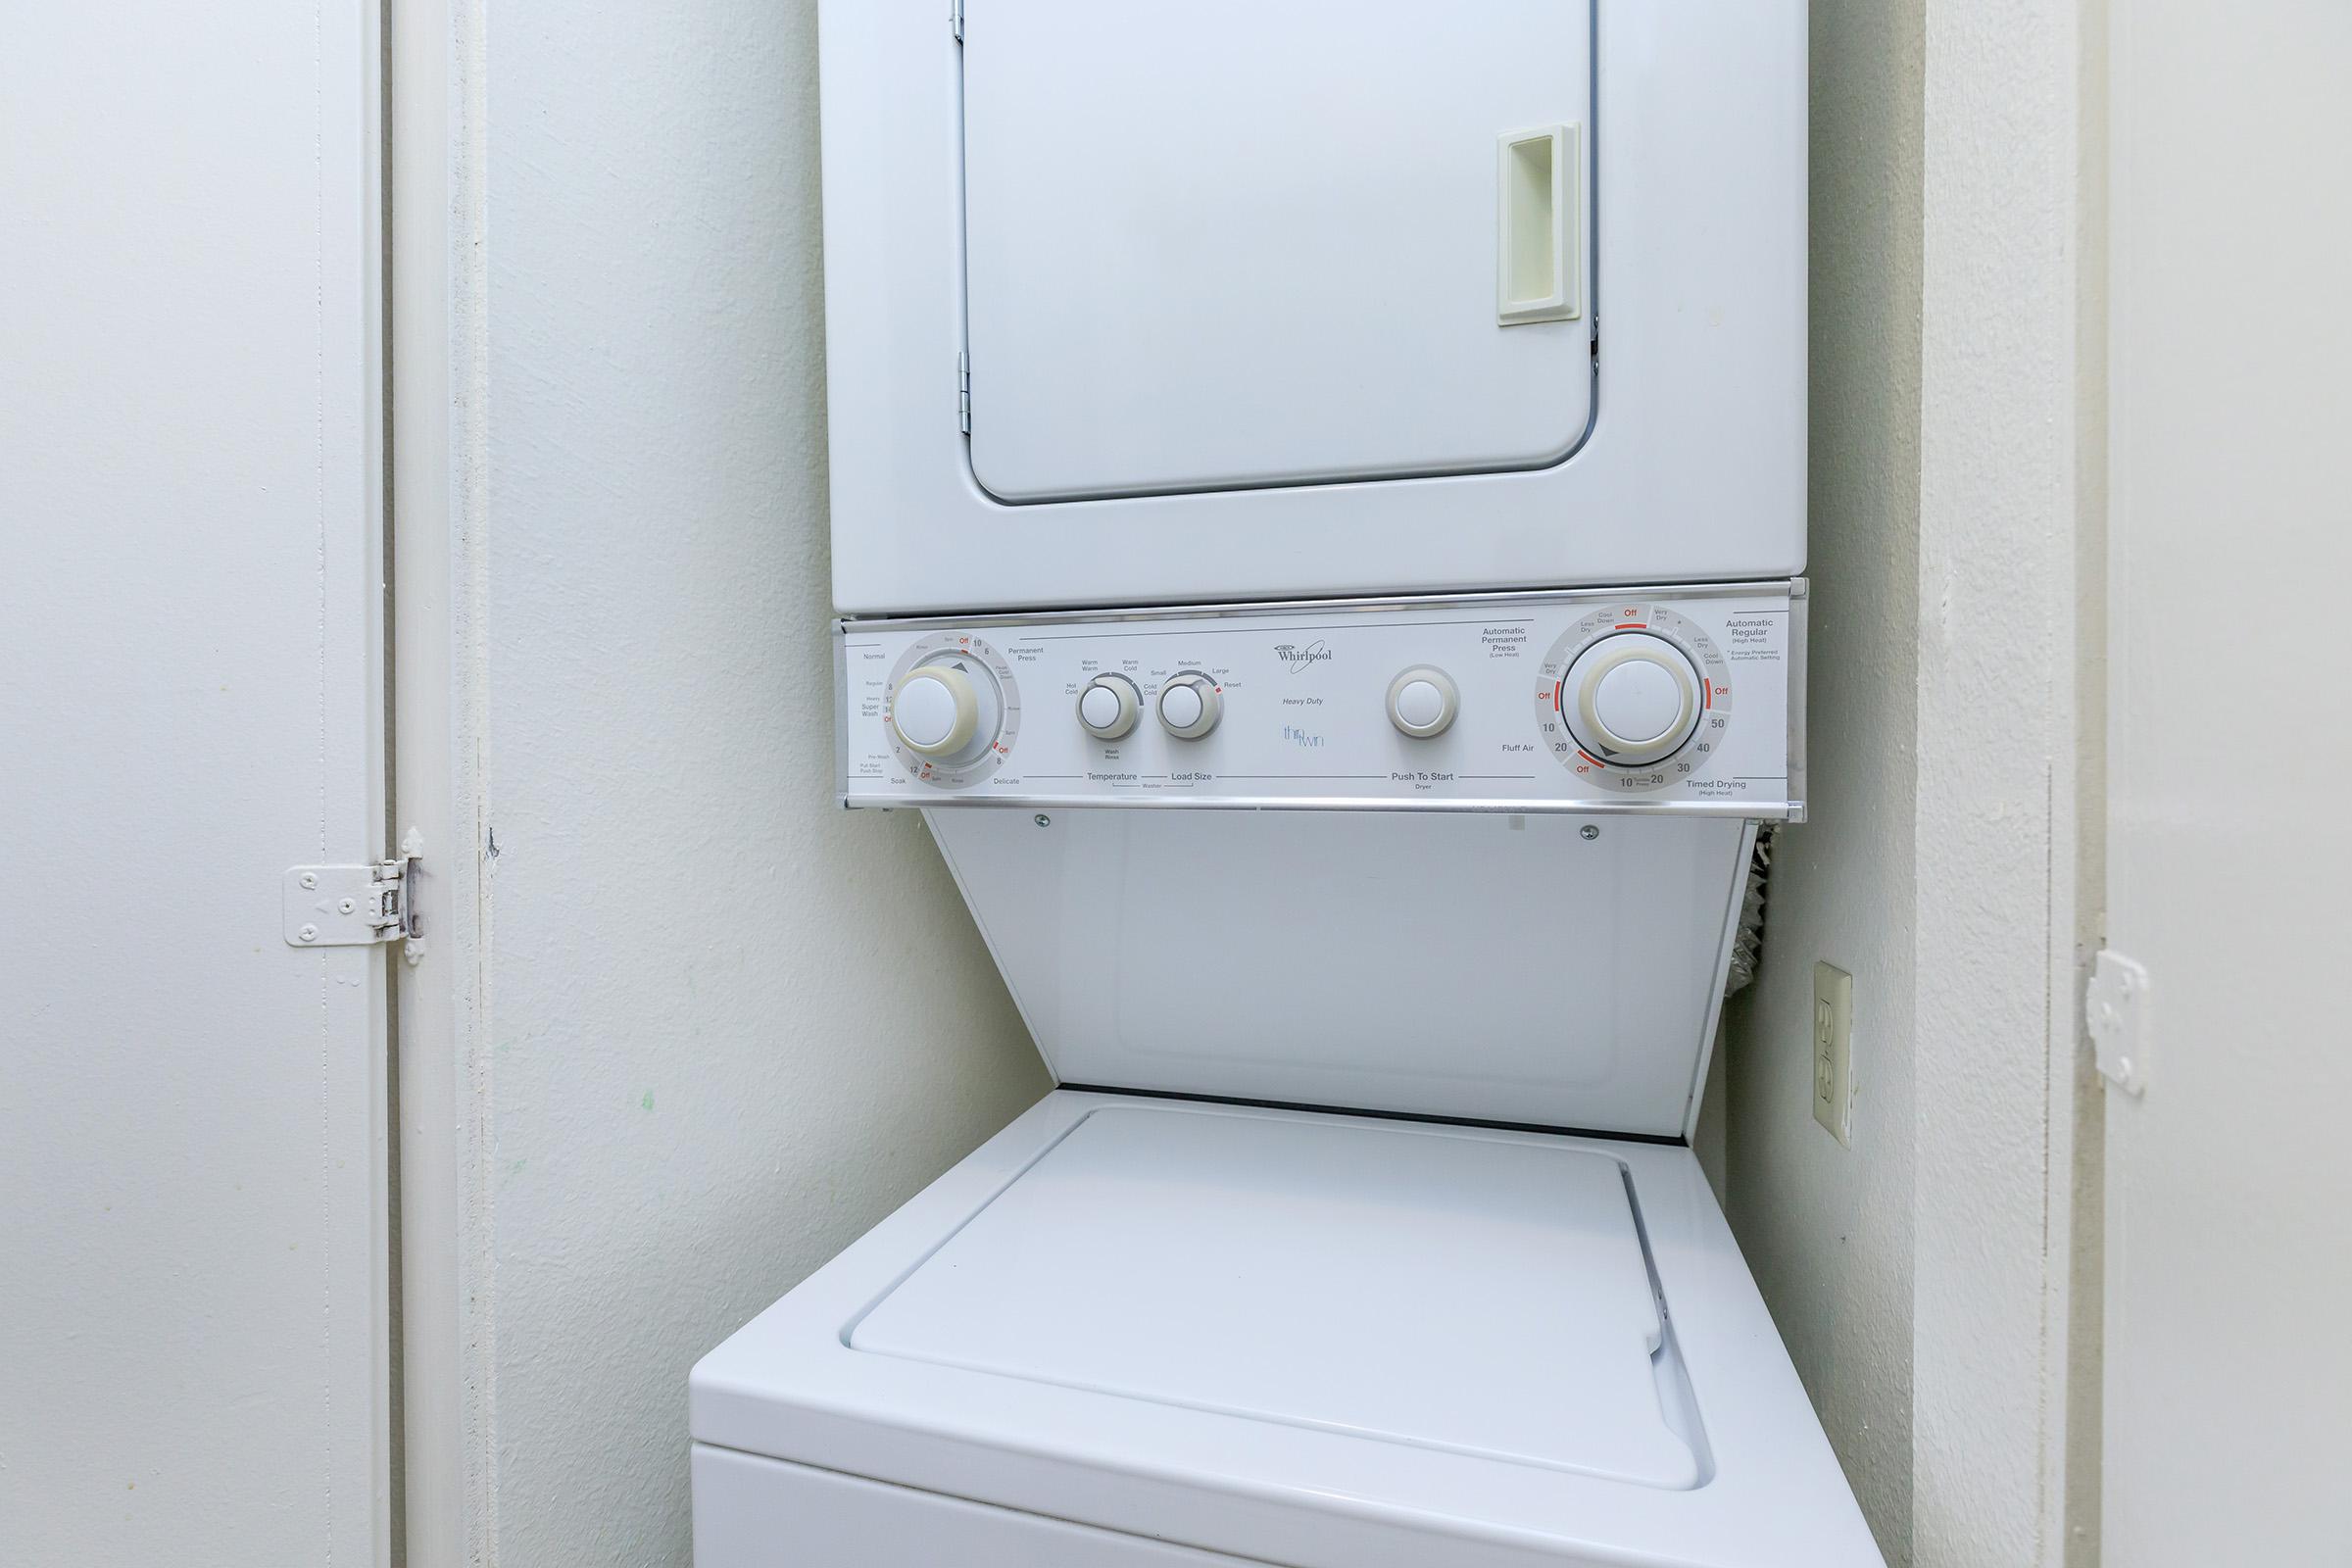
1632,699
1635,698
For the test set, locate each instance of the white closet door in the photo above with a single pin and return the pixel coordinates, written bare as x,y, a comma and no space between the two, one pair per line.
193,1245
1227,244
2228,1240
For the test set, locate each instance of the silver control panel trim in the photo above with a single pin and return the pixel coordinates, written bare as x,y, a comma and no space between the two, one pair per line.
1313,673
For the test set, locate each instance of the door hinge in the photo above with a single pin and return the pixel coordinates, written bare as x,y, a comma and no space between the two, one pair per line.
350,906
956,18
963,393
2115,1002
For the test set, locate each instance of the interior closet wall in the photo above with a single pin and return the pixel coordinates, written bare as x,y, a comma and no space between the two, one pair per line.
733,1025
1828,1229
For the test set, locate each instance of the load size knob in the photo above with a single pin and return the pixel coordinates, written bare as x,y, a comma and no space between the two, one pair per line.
1189,705
1107,707
1632,699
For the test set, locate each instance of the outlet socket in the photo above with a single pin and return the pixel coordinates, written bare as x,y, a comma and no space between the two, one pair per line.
1834,1052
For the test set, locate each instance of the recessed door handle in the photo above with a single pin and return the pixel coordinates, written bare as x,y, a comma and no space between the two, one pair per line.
1539,240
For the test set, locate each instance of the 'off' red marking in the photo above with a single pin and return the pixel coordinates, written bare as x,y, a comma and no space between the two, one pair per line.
1590,758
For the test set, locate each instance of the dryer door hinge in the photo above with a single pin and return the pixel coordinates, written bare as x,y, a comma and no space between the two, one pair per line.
956,18
963,393
2115,1002
350,905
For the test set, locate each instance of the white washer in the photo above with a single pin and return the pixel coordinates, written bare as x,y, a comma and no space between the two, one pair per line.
1148,1331
1154,1326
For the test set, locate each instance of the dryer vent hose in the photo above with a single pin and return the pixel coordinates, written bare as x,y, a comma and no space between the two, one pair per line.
1747,943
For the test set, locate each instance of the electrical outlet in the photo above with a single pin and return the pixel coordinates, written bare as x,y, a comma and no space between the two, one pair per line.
1834,1052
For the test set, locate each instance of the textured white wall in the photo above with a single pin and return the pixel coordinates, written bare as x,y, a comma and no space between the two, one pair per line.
1924,1280
2006,608
733,1024
1828,1230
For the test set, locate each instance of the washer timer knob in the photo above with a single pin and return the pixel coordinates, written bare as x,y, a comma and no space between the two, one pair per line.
1189,705
935,711
948,709
1423,701
1632,699
1107,707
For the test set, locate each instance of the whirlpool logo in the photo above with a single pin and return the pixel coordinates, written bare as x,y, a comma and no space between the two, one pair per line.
1302,658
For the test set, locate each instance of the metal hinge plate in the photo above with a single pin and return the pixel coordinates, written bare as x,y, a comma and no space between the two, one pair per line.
350,905
963,393
956,17
2117,1004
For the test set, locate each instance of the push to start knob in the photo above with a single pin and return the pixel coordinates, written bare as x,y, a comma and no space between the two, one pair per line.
1107,707
1423,700
1632,699
1189,705
936,711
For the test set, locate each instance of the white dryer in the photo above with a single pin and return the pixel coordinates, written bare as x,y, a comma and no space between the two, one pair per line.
1349,695
1137,304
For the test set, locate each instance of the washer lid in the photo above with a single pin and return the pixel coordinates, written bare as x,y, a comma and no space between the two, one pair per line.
1427,1286
1454,1292
1231,244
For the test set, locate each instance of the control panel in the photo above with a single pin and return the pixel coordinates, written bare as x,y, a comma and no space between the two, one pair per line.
1688,700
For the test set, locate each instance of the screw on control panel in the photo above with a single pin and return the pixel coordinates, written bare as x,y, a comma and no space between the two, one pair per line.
1042,820
309,933
1590,831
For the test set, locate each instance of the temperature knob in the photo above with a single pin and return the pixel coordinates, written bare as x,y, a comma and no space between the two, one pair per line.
1108,707
1423,700
1632,699
946,708
1189,705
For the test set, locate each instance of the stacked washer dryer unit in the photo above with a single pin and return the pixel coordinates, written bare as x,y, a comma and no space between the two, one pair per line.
1317,500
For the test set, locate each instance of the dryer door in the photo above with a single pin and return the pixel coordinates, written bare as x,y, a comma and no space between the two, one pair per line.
1229,244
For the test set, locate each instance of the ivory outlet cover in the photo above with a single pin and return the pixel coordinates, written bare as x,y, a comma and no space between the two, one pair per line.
1834,1052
